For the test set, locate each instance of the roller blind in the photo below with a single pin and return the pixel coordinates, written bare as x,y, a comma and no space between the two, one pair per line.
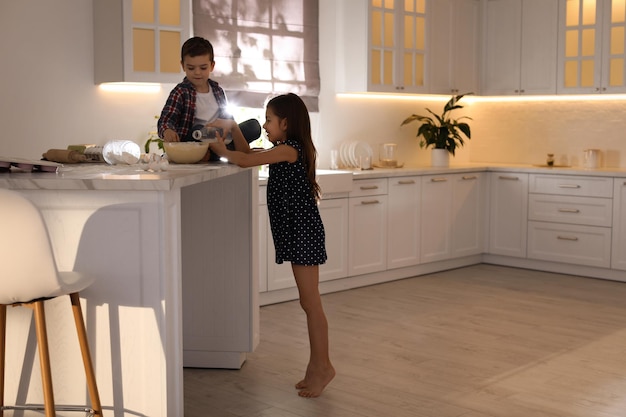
262,47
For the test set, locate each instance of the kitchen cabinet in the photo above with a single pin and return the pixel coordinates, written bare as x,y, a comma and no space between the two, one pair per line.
139,40
367,230
570,219
453,49
520,39
403,225
508,214
264,225
452,216
592,46
618,247
388,39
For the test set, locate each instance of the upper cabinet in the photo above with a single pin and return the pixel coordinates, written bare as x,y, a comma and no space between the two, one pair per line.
520,40
454,46
592,50
382,46
139,40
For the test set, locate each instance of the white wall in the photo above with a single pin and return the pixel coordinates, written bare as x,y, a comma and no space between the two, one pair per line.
49,100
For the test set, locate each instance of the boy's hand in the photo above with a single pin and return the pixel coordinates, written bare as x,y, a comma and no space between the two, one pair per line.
170,136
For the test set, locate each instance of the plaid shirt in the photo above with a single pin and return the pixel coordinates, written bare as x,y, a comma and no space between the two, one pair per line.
180,108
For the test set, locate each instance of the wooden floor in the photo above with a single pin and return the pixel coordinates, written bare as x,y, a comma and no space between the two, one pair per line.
482,341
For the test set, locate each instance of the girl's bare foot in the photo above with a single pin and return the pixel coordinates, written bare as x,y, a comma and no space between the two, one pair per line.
315,382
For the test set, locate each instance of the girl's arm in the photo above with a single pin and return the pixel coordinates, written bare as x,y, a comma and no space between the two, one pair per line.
246,157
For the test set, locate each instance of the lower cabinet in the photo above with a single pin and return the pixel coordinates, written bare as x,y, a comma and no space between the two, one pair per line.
618,258
453,213
508,214
403,222
367,230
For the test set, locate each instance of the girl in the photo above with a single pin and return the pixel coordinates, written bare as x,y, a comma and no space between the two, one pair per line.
297,229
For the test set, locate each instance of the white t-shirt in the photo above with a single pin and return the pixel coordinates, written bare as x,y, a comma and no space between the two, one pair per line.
206,108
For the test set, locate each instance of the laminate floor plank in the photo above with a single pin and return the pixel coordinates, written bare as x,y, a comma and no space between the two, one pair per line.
481,341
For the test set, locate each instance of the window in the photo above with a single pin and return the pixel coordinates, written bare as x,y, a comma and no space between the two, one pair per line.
262,47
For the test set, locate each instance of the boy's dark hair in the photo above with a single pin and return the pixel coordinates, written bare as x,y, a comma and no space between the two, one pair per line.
196,46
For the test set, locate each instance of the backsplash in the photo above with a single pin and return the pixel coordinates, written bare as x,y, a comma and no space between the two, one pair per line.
524,132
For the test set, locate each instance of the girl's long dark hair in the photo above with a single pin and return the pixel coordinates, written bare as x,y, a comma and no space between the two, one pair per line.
291,107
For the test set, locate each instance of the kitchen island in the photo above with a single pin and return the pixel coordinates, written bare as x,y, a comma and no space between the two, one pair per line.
173,257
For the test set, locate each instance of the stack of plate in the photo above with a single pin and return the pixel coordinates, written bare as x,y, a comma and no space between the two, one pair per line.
350,153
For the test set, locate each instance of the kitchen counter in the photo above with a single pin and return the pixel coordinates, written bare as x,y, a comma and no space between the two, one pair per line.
169,291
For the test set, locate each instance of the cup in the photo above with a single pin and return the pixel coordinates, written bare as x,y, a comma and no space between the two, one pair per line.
387,155
365,162
591,158
334,159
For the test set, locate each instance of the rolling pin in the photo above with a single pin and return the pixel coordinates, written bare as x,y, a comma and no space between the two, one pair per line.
64,156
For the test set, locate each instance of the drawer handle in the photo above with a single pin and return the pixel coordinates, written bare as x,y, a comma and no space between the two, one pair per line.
508,177
406,182
573,239
370,202
369,187
566,210
569,186
438,179
469,177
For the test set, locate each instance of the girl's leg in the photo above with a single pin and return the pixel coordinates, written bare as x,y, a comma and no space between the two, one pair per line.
319,371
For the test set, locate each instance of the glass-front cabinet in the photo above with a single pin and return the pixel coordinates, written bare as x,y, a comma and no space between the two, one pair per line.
139,40
592,52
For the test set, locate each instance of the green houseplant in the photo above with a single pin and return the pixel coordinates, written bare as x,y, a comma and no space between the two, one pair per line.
440,131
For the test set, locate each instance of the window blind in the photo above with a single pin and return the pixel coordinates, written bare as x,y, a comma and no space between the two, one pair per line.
262,48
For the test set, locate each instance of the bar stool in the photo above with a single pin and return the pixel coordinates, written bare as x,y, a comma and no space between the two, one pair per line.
29,277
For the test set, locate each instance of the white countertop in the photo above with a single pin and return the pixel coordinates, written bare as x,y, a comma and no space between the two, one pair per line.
116,177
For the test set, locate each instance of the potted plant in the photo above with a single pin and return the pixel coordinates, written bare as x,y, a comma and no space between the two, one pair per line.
441,132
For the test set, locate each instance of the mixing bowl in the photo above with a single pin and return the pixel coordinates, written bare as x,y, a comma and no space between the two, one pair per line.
185,152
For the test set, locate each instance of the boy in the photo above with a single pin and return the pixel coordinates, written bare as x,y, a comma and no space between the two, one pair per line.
197,100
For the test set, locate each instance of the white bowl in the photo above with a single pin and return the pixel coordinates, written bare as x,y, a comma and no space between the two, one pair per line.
185,152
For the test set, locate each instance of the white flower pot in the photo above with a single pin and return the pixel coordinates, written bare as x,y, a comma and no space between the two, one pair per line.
440,158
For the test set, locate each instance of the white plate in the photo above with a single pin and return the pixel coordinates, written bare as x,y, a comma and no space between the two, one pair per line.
352,156
343,153
363,149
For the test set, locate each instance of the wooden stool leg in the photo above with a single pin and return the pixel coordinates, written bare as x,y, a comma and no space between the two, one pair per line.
84,349
3,332
44,358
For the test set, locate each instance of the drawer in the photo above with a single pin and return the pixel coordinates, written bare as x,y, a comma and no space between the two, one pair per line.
568,209
571,185
573,244
363,188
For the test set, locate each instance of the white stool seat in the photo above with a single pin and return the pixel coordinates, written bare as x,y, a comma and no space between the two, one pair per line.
29,276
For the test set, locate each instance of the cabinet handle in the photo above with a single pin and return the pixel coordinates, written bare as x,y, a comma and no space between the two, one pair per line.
438,179
569,186
406,182
369,187
370,202
573,239
469,177
508,177
566,210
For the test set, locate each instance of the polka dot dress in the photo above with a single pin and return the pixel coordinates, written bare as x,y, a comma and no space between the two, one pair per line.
295,221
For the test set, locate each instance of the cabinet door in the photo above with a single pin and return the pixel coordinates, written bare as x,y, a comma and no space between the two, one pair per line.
403,228
367,231
539,46
279,276
618,258
520,47
334,215
508,214
453,49
263,232
502,60
397,46
139,41
468,217
436,213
